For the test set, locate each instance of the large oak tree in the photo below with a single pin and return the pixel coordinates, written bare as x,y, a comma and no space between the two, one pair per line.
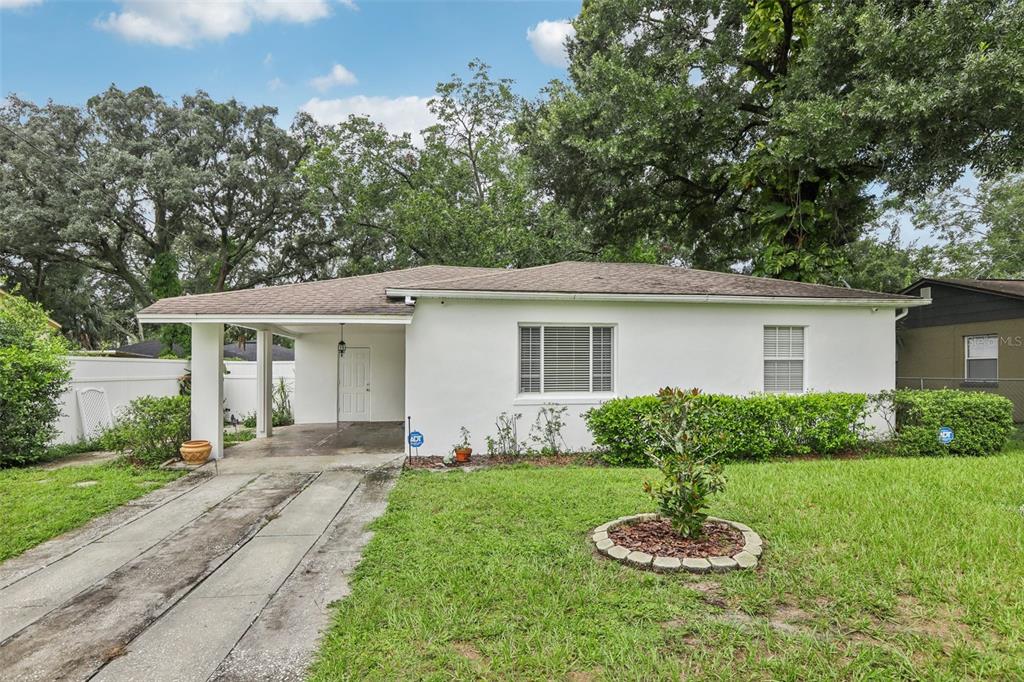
768,130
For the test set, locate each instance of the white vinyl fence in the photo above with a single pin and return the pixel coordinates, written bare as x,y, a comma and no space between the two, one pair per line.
101,386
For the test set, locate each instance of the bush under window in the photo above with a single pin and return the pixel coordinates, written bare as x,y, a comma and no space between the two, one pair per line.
754,427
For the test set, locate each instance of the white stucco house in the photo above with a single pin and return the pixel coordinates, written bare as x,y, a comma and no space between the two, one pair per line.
448,346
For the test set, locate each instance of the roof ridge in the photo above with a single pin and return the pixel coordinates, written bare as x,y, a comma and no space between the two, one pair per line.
649,265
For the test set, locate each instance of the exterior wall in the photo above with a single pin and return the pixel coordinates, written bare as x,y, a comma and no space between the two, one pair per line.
955,305
462,357
933,357
316,372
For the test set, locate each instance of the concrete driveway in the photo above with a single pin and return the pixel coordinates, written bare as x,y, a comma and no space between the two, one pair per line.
226,574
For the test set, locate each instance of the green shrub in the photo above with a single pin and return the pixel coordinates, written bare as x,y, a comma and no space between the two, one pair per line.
687,459
759,426
621,432
982,423
33,375
150,430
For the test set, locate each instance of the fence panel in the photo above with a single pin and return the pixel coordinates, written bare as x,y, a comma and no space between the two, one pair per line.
124,379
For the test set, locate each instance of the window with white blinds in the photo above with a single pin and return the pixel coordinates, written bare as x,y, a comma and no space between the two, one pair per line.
565,359
784,359
981,358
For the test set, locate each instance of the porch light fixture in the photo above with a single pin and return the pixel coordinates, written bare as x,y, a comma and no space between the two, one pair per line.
341,344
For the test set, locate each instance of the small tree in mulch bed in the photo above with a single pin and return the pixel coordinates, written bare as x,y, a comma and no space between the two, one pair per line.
687,460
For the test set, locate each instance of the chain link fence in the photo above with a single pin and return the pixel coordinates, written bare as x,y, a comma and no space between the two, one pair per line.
1008,388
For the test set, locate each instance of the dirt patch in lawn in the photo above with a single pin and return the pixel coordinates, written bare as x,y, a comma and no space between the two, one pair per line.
468,651
658,538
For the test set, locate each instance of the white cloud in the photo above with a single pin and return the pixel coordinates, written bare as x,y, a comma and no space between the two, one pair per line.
186,22
16,4
399,114
275,84
548,41
269,59
338,75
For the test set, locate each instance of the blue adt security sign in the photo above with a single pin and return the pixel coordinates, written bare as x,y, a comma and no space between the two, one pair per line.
945,435
415,439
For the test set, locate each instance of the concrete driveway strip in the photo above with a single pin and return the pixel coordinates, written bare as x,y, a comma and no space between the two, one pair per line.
78,638
283,641
26,600
215,615
56,549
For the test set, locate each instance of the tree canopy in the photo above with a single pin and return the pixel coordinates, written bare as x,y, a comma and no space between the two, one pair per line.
768,130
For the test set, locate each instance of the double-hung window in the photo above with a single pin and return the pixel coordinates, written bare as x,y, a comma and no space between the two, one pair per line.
981,358
784,359
565,359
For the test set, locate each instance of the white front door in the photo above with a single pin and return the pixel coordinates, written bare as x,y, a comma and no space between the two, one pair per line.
354,386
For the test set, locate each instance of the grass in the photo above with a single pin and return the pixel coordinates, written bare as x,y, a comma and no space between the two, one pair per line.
874,569
38,504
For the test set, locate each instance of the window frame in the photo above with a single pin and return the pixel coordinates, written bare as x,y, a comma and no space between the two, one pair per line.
968,358
562,396
803,357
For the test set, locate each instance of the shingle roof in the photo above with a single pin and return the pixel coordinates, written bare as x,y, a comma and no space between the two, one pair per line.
1005,287
642,279
367,294
360,295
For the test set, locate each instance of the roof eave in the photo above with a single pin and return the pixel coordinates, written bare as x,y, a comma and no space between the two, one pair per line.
909,302
272,319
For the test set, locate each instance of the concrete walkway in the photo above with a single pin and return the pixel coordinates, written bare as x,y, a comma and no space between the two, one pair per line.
226,574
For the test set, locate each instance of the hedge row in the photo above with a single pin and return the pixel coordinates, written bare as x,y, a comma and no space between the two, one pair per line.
766,426
754,427
981,422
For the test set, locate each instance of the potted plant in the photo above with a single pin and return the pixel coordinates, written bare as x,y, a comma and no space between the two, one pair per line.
462,449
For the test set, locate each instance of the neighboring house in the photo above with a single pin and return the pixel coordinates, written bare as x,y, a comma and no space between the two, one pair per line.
451,346
242,350
971,336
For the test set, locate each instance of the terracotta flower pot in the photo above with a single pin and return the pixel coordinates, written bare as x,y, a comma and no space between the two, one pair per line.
462,454
195,451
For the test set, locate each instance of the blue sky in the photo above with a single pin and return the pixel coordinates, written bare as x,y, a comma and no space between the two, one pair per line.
332,57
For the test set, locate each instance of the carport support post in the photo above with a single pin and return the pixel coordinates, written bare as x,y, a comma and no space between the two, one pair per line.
264,384
208,385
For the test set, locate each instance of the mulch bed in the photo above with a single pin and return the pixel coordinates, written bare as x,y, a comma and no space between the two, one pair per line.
656,537
437,462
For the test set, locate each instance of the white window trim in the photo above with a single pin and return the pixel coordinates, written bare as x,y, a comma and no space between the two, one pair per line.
967,358
567,397
804,380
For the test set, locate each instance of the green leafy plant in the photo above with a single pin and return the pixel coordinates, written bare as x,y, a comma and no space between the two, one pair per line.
546,431
754,427
283,415
982,422
150,430
506,442
691,472
33,375
463,443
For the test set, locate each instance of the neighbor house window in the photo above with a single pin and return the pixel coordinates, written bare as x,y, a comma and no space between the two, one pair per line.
784,359
982,358
565,359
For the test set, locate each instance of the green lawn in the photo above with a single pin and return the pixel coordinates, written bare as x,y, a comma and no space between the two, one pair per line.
38,504
874,569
